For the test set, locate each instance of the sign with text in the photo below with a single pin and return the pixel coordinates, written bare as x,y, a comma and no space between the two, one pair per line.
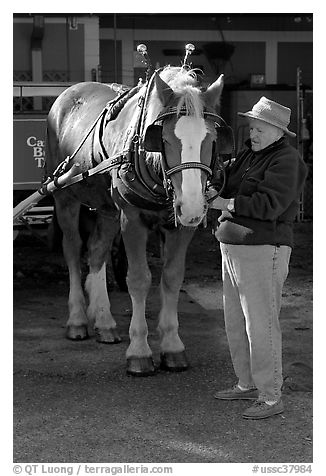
29,152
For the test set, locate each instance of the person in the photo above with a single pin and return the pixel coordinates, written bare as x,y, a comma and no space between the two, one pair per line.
259,205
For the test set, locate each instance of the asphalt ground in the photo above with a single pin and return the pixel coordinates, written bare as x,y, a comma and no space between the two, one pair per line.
73,401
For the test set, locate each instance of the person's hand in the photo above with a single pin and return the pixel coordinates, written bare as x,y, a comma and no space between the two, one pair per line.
224,214
219,203
211,192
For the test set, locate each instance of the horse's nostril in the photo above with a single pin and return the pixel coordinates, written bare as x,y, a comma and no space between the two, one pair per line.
178,209
195,220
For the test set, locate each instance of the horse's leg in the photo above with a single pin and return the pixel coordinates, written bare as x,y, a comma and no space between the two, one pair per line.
68,218
99,309
173,356
139,354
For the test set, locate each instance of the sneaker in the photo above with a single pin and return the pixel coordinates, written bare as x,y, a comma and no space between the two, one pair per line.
235,393
261,410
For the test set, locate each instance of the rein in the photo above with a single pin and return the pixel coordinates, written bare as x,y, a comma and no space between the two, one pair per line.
188,165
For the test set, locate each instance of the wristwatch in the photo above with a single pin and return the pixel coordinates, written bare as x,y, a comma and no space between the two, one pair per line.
230,205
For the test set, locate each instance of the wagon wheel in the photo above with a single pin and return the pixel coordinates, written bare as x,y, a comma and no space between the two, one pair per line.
119,261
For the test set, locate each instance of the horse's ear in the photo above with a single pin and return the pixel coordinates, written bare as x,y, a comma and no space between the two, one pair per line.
213,93
165,93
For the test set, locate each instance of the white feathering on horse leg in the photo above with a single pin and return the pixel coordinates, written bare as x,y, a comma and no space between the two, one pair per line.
171,280
138,286
99,309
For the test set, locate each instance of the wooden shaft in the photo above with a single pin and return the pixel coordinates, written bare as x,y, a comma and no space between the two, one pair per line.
33,199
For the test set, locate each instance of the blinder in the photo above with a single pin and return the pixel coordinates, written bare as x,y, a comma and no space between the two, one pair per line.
153,141
224,140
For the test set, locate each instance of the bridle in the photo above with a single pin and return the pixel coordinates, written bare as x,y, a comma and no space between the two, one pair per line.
167,172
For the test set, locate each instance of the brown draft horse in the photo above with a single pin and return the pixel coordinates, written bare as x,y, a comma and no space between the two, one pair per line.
176,121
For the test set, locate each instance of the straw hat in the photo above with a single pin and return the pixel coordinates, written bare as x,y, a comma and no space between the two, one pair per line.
272,113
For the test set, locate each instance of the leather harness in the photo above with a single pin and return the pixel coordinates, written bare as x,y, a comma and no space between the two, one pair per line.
137,182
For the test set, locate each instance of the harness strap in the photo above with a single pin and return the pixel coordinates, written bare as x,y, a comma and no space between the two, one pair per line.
107,164
143,105
171,111
138,151
214,117
223,168
102,113
189,165
56,183
109,112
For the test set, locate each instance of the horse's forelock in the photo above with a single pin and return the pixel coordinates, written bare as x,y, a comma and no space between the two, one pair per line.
191,100
184,83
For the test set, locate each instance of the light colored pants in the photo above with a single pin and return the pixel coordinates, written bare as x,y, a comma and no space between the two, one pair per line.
253,278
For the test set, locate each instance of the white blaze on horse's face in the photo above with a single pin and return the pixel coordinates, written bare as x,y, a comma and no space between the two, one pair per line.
191,205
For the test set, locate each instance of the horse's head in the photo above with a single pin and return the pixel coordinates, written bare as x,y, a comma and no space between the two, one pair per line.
186,137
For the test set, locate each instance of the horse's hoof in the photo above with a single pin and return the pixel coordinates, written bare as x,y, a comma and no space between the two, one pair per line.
174,361
140,366
107,336
77,332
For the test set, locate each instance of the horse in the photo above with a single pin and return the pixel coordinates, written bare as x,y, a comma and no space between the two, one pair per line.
162,139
